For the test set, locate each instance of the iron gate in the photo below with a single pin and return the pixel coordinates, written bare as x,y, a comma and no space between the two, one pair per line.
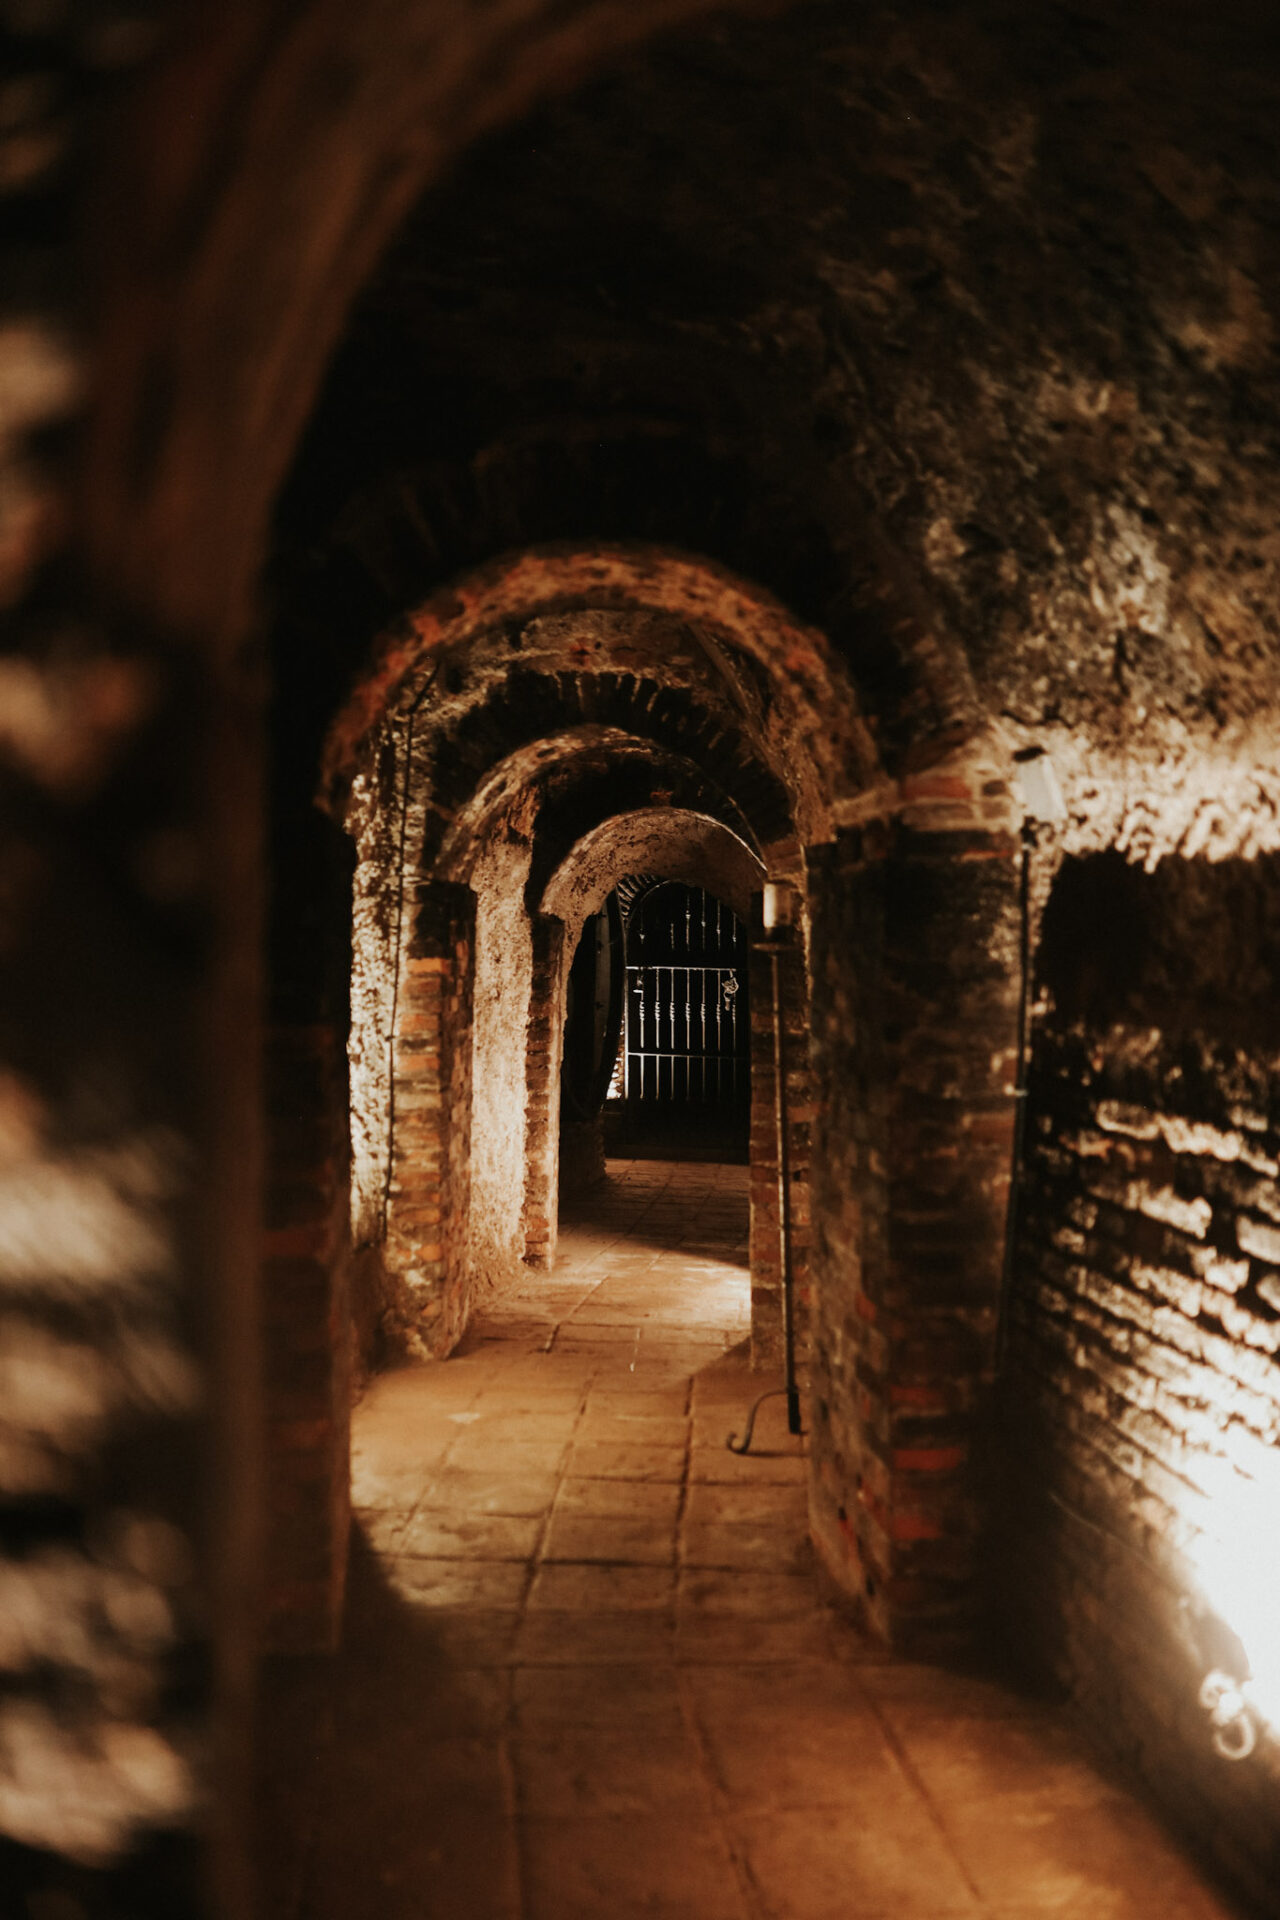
687,1025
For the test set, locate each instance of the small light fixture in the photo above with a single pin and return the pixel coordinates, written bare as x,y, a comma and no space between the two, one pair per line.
1235,1731
779,905
1038,787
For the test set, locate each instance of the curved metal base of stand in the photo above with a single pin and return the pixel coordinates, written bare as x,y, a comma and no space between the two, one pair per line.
793,1418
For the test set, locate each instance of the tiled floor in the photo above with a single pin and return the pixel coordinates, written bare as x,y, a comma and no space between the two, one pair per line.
589,1674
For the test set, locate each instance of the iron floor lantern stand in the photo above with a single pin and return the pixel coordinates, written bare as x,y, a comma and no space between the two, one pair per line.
775,948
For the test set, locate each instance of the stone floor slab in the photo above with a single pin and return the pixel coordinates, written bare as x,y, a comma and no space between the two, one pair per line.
624,1540
588,1673
561,1587
659,1867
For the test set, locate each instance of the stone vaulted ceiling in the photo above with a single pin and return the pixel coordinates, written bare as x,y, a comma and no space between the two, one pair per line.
953,327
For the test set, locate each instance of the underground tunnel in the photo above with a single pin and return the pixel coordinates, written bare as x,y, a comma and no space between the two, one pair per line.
639,1188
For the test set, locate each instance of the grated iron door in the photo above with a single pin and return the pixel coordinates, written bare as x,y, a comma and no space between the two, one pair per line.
687,1027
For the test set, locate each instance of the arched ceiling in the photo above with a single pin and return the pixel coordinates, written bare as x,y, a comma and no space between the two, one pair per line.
953,327
672,843
553,790
658,648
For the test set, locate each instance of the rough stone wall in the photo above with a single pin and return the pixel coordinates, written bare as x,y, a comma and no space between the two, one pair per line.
1144,1402
378,937
544,1041
913,963
765,1252
429,1191
503,998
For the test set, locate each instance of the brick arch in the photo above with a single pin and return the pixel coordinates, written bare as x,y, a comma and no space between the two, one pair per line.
520,719
669,842
814,736
592,770
629,480
676,842
427,991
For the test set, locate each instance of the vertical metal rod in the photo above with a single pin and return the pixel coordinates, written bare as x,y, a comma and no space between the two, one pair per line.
784,1192
627,1040
1019,1099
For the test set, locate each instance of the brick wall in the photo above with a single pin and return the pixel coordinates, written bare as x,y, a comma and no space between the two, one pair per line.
765,1250
544,1041
913,952
429,1189
1144,1400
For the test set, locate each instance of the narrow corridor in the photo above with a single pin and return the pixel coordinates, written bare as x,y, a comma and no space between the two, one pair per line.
590,1672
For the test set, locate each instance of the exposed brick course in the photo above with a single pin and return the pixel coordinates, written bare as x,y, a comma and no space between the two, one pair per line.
1145,1329
429,1185
914,1003
544,1042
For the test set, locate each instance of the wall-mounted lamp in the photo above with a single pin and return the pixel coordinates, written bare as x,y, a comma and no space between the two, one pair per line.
1038,787
1235,1731
780,904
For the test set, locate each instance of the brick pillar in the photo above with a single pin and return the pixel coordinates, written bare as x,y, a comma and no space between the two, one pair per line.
915,1005
765,1247
426,1252
544,1042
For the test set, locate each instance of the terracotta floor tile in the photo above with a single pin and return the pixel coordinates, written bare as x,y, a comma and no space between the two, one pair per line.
461,1491
468,1637
598,1694
568,1588
455,1583
760,1596
441,1534
466,1857
789,1758
721,1639
477,1453
380,1527
609,1460
632,1430
552,1639
631,1402
759,1504
1035,1851
607,1770
650,1499
375,1487
763,1549
541,1711
624,1540
831,1864
668,1867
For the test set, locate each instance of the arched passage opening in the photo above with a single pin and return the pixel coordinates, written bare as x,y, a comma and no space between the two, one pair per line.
515,745
592,892
509,736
